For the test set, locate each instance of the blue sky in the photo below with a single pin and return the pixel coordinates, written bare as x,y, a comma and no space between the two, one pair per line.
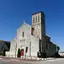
13,12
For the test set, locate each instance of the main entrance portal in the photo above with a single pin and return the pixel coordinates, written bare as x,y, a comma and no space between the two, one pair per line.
22,52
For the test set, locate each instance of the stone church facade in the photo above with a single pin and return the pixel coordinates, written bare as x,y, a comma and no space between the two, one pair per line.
32,40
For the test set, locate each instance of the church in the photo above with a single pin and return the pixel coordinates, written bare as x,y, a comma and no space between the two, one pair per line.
32,41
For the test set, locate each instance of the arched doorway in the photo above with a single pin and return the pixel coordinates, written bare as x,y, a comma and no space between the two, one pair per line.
22,52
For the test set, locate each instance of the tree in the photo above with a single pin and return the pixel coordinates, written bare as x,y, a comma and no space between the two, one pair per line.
57,54
58,48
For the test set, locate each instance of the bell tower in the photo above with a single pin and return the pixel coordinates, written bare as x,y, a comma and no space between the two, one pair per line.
38,24
38,30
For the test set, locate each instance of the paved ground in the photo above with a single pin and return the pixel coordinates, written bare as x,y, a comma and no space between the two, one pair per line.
14,61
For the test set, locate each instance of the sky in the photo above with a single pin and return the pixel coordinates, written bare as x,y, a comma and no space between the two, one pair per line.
13,12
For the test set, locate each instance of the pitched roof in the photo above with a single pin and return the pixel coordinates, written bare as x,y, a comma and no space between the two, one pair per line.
38,12
24,24
3,41
48,36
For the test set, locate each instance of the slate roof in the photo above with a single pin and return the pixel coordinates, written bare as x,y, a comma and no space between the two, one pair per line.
38,12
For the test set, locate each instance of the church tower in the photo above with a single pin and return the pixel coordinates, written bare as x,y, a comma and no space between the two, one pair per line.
38,30
38,25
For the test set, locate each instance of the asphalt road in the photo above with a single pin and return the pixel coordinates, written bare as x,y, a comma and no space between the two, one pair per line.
13,61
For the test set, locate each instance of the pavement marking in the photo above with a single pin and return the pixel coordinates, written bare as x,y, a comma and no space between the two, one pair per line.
50,60
1,58
55,60
14,60
60,59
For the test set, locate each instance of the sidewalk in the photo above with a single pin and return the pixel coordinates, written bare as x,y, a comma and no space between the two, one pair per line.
27,59
21,59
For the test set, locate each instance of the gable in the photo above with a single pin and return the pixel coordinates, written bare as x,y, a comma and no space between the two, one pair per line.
24,29
24,26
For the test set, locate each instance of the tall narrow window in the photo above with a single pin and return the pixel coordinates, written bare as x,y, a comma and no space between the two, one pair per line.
33,19
46,46
32,31
22,34
26,49
38,18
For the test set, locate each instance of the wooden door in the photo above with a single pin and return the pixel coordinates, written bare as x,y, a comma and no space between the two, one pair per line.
22,52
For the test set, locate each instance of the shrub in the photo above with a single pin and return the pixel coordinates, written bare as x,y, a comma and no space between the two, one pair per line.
57,55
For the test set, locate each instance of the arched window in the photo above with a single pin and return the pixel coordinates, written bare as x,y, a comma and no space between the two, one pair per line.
33,20
22,34
38,18
32,31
